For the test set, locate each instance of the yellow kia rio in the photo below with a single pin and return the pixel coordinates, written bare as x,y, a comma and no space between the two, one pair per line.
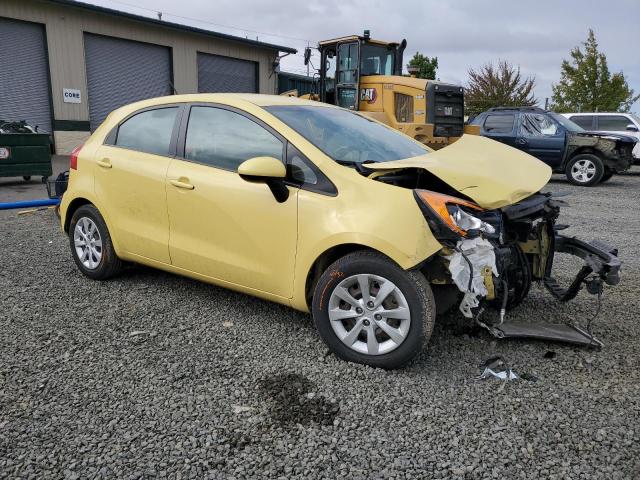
322,209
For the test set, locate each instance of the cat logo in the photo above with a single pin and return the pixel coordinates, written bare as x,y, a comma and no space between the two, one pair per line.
368,94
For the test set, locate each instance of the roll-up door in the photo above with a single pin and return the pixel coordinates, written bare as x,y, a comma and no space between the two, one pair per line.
224,74
123,71
24,74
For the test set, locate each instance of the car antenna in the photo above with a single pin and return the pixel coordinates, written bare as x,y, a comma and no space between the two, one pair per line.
175,92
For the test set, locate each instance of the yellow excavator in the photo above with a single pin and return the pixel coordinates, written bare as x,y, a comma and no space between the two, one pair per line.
363,74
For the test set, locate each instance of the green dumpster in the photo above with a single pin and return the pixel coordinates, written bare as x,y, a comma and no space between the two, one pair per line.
23,151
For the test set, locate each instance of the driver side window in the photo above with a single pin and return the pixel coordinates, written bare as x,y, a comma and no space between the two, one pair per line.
537,125
224,139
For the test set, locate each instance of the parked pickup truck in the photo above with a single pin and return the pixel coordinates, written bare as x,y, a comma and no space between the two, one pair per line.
586,158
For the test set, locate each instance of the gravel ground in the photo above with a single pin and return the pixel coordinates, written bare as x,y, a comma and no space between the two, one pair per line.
152,375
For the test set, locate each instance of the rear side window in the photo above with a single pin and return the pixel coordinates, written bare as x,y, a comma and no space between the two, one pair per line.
612,123
149,131
585,121
224,139
499,123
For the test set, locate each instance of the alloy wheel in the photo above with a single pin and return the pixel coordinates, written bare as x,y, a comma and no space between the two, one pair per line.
369,314
583,170
87,243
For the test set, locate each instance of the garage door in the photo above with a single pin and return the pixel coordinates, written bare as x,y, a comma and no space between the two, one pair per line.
123,71
225,74
24,74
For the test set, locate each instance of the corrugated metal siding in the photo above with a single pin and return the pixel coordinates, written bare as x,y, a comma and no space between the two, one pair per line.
65,27
223,74
123,71
24,81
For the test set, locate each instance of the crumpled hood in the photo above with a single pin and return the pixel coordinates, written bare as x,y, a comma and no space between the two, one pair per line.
608,136
492,174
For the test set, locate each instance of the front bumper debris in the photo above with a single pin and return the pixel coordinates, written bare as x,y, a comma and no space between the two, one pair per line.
601,263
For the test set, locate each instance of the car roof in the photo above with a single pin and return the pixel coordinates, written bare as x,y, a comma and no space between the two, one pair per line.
261,100
595,113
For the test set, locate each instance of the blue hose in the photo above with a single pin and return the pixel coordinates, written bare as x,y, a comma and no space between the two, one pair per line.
30,203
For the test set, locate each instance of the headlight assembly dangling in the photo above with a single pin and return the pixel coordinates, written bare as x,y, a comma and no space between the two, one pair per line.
452,218
453,212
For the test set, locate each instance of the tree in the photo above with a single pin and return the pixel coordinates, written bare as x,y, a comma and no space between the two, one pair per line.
426,66
498,86
586,85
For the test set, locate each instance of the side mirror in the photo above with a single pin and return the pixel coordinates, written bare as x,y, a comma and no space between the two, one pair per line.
268,170
632,128
262,168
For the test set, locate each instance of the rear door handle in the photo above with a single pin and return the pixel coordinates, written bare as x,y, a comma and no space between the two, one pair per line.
521,141
105,163
182,183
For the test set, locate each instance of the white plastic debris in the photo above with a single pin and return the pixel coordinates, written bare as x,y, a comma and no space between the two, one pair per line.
466,264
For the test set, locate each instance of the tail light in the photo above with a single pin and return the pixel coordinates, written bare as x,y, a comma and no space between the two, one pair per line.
73,160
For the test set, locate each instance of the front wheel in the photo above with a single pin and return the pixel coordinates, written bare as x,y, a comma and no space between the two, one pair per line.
584,170
368,310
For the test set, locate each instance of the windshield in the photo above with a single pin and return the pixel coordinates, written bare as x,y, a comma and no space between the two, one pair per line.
347,137
566,123
376,60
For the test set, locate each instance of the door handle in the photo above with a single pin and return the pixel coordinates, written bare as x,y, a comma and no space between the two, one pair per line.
182,183
521,141
105,163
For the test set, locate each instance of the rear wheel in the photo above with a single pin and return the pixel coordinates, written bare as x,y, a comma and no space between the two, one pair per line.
585,170
91,244
368,310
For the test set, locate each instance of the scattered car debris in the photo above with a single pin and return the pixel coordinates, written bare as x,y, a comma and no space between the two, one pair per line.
498,368
241,408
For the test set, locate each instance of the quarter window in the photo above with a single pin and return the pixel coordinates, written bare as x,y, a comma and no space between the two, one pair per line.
499,123
613,123
585,121
299,170
149,131
224,139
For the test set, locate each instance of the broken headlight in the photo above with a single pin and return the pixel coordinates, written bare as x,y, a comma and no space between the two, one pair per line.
465,221
450,217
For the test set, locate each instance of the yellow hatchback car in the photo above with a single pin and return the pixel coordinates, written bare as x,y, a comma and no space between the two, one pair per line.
322,209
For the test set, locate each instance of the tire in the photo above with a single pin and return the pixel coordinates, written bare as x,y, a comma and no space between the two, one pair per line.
607,175
26,178
101,262
587,172
409,289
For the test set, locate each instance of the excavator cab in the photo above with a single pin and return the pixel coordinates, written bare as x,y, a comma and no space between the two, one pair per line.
363,74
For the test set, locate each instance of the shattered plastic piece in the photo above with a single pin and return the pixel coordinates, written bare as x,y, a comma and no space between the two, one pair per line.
504,375
466,264
498,368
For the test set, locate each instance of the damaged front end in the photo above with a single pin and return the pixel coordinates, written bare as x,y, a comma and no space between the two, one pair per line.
501,237
493,257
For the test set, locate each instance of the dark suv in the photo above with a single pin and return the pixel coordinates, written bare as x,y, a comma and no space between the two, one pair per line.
586,158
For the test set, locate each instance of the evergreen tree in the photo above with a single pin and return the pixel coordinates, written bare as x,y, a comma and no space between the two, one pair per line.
586,85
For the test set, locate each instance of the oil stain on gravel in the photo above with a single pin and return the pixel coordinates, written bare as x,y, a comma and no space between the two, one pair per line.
292,400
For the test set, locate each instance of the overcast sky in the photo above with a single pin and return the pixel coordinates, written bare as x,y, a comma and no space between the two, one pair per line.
536,34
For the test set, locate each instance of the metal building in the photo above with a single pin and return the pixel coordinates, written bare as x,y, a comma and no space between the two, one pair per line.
66,64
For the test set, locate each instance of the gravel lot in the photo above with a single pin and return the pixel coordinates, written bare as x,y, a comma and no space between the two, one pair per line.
152,375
